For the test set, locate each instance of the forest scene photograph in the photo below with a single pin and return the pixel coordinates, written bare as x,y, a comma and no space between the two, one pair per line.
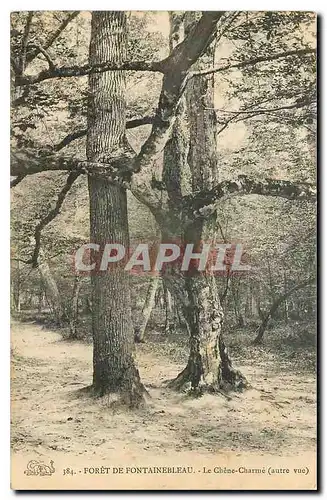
163,249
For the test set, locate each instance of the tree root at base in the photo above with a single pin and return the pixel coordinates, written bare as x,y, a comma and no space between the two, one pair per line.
227,378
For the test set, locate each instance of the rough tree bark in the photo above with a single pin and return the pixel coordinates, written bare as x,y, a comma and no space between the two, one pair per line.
235,288
209,367
114,370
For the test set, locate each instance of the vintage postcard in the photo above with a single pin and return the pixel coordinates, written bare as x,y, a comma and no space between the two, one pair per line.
163,250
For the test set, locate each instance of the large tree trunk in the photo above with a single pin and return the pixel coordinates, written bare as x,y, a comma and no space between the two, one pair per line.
174,162
209,366
114,369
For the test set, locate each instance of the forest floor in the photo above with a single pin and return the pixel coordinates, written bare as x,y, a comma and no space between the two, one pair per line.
50,414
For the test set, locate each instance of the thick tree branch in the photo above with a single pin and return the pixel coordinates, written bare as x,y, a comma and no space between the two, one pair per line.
87,69
192,47
77,134
181,59
50,216
253,62
203,204
138,122
133,123
26,162
176,67
118,170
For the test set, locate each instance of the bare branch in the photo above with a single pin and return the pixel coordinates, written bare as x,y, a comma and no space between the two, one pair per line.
253,62
138,122
47,56
203,204
23,261
133,123
70,138
251,113
180,60
53,36
50,216
27,162
22,56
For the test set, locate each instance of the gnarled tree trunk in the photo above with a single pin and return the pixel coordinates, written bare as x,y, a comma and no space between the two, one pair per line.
209,366
114,370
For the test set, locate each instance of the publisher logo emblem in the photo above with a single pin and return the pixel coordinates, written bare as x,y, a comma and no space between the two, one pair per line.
39,468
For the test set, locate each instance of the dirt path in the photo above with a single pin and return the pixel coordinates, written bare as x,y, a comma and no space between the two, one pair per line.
49,414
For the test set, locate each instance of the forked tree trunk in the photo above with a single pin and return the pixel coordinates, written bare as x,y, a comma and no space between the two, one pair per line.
209,367
148,305
114,370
